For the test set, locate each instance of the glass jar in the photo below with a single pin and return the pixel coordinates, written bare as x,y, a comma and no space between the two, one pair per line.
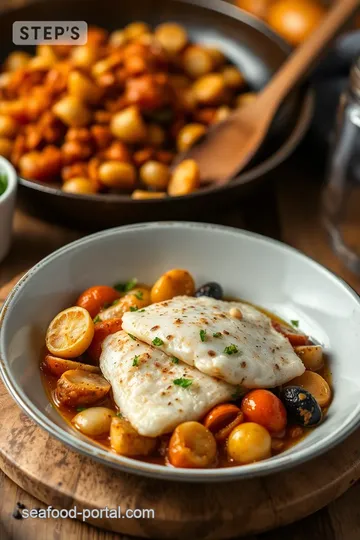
341,196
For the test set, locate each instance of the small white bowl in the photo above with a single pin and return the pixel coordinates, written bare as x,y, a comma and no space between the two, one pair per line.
7,206
248,266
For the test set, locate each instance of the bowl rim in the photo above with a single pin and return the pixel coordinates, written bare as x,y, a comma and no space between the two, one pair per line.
305,114
279,463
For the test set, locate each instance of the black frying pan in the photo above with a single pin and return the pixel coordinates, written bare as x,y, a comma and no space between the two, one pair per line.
245,40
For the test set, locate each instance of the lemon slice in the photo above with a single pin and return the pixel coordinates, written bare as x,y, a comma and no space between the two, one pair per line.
70,333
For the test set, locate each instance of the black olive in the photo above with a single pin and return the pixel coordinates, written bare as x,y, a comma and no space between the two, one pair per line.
212,289
301,406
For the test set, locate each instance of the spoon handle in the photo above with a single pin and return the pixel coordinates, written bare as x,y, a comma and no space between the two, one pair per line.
303,57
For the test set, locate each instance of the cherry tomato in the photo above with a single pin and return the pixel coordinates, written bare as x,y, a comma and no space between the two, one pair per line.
248,443
222,419
264,408
192,446
97,297
102,330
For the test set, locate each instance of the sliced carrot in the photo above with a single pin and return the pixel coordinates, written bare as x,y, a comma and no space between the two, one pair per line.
95,298
57,366
103,329
295,338
222,419
79,387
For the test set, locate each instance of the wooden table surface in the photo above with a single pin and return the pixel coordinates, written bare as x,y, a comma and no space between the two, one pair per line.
289,210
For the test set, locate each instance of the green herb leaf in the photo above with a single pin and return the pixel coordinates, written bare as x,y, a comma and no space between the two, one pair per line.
231,349
157,342
119,415
96,319
133,308
136,360
132,337
141,310
217,335
115,302
174,360
80,409
203,335
139,295
295,324
184,383
3,183
126,287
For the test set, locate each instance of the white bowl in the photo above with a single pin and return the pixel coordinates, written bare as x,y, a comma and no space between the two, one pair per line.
248,266
7,205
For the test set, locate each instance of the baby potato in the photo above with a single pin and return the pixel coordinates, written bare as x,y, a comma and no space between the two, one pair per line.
83,88
72,111
116,174
249,443
245,99
117,38
176,282
6,146
155,174
311,356
94,421
79,186
172,37
222,113
135,299
218,57
139,194
8,126
84,56
78,387
209,89
188,136
192,446
57,366
233,78
184,179
316,385
197,61
136,29
128,442
16,60
128,125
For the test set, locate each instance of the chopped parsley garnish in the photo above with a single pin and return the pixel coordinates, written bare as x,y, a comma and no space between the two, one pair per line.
184,383
139,295
81,409
3,183
115,302
295,324
203,335
157,342
231,349
126,287
96,319
133,308
174,360
237,393
119,415
132,337
136,360
141,310
217,334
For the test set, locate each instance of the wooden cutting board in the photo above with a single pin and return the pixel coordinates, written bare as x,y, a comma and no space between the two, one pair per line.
62,478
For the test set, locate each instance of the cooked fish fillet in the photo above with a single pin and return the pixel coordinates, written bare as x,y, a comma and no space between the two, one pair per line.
228,340
142,379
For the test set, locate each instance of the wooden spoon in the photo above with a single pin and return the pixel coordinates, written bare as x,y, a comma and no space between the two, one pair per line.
229,146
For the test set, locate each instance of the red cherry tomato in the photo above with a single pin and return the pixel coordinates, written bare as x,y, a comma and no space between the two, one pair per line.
295,338
264,408
102,330
95,298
